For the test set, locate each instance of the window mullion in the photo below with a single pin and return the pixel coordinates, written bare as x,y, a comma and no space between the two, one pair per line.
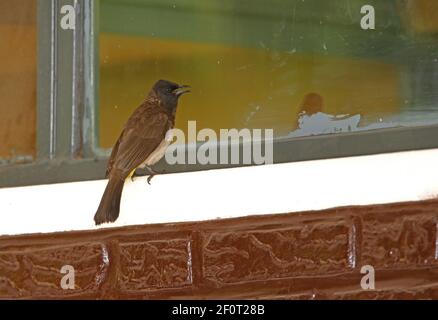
45,81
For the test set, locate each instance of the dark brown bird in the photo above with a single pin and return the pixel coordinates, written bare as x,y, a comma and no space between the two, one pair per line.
142,143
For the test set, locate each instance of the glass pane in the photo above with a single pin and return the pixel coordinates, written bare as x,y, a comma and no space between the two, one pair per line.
299,67
18,60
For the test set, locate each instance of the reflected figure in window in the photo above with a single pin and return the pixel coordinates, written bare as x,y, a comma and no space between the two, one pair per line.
313,121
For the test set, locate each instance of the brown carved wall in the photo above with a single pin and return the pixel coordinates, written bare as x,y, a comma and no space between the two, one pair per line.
312,255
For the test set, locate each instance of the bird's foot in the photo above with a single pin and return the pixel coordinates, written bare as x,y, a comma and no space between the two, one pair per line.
133,176
152,174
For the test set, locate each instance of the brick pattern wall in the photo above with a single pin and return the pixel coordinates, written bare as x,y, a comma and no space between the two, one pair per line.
311,255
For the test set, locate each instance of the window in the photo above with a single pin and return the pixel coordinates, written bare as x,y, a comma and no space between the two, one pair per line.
17,81
306,69
255,64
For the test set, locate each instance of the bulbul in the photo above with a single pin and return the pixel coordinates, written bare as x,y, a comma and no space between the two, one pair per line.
142,143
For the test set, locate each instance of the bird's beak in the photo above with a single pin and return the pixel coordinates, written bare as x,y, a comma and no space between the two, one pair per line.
181,90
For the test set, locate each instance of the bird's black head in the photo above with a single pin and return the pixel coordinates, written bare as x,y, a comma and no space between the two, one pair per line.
168,92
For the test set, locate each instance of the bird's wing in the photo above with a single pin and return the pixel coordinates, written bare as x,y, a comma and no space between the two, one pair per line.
112,157
137,141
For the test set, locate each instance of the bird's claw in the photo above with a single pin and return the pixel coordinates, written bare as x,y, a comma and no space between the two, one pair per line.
150,178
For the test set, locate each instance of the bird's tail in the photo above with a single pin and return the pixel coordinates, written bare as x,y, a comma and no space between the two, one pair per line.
109,206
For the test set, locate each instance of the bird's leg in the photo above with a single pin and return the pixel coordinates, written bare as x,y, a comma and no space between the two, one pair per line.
134,175
152,173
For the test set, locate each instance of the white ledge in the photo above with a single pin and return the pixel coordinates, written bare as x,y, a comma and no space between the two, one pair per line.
224,193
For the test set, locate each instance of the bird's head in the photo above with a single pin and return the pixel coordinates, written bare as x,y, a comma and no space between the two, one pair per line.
168,93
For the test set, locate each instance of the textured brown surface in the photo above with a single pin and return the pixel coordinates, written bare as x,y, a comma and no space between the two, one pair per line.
314,255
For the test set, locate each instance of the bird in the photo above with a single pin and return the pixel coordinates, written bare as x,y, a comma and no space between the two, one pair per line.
142,143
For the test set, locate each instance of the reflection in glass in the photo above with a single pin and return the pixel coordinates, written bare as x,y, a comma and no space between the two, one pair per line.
253,64
17,79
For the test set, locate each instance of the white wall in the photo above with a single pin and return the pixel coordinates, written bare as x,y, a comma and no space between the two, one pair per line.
224,193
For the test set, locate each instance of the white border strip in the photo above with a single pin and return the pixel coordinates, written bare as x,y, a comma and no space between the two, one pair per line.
203,195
